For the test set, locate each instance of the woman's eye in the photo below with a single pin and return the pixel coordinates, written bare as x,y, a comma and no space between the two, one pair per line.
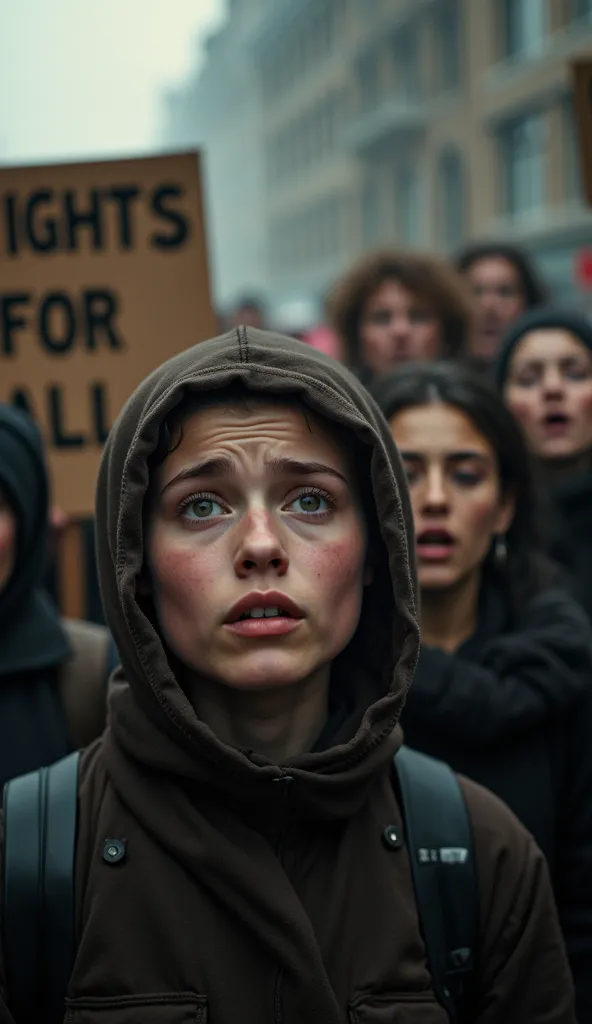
466,478
202,508
577,373
310,503
526,381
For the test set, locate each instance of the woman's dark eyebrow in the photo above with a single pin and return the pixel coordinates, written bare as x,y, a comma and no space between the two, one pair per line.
460,456
209,467
224,467
295,467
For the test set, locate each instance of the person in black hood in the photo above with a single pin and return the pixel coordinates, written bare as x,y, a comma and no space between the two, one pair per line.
544,371
52,672
503,689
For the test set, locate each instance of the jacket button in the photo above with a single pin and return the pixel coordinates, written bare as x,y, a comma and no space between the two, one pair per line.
392,838
113,850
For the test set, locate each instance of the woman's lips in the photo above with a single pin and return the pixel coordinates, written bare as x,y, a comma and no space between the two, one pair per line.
556,424
275,626
434,545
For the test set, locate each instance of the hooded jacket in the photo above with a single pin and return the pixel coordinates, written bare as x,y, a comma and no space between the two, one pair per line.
261,892
37,651
512,709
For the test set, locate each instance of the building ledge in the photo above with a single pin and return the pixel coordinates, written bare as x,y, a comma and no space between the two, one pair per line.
544,224
393,117
563,43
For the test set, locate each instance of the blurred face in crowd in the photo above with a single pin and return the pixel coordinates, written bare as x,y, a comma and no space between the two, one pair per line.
496,285
458,507
256,546
549,390
7,540
250,316
398,326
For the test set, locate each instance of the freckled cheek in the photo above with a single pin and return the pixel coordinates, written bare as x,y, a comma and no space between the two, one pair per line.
183,574
334,567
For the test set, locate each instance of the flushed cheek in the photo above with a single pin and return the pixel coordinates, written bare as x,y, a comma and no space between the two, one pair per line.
334,568
186,579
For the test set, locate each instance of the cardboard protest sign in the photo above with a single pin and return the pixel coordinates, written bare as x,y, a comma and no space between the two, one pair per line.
582,84
103,276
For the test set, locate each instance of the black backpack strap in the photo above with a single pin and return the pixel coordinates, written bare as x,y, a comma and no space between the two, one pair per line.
40,818
440,844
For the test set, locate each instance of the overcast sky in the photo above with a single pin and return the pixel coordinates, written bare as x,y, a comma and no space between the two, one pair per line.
85,77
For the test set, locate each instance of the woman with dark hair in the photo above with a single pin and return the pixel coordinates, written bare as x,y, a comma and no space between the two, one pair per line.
545,372
503,689
53,672
395,307
505,284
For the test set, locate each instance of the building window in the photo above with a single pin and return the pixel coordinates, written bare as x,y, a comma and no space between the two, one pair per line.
571,168
450,199
368,83
370,215
581,9
523,164
408,213
406,64
525,26
447,30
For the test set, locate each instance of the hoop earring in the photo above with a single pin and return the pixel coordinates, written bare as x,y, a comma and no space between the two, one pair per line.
500,552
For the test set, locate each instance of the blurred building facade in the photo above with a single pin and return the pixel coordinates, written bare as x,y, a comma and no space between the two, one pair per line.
340,125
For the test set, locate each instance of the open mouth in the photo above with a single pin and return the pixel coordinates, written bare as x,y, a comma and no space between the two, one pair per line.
556,423
435,545
265,613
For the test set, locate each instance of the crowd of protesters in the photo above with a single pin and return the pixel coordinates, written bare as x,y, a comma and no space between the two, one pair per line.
472,531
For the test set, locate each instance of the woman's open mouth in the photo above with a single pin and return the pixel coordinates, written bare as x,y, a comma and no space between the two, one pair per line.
434,545
266,614
556,424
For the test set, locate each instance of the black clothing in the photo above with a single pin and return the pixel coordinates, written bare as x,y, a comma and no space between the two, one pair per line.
512,710
41,672
571,534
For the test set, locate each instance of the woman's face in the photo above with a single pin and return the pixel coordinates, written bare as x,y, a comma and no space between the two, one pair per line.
549,390
398,326
256,546
458,508
7,540
497,287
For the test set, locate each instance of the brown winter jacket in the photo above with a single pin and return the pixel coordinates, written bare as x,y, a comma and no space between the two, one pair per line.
260,893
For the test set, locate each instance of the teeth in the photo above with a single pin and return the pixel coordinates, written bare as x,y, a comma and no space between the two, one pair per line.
257,613
271,612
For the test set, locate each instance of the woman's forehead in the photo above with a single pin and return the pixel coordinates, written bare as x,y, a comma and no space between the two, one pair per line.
266,429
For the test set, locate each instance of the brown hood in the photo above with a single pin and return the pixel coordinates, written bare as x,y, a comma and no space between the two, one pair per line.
152,720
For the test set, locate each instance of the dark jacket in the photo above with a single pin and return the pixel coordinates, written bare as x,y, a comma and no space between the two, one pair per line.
261,892
571,534
513,711
42,658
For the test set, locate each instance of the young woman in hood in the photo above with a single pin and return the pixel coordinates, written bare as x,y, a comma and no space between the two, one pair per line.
397,307
503,689
268,636
545,374
53,674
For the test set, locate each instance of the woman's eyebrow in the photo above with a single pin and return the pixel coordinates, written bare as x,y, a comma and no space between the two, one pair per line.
209,467
224,467
297,467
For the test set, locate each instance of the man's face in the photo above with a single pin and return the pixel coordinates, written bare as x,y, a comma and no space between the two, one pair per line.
398,327
256,546
7,540
497,288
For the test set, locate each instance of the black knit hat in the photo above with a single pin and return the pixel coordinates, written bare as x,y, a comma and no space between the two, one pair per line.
538,319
